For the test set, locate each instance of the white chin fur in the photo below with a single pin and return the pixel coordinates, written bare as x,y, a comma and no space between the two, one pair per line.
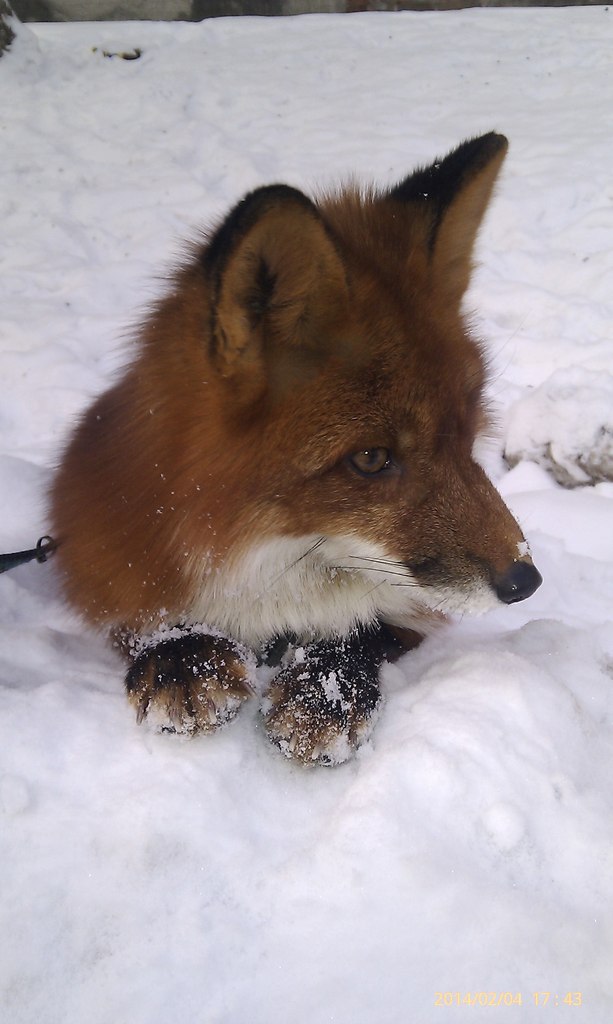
315,586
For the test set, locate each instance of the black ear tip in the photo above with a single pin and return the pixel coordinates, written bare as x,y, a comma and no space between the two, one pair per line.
494,142
245,215
446,177
480,150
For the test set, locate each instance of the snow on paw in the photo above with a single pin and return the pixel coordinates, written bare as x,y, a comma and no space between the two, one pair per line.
318,714
190,683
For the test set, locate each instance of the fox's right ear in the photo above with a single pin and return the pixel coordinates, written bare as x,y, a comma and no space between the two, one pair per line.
276,278
449,199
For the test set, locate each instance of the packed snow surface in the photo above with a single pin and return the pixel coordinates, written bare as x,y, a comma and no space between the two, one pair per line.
466,855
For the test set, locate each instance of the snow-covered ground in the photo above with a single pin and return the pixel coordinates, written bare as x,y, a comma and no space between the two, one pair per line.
469,847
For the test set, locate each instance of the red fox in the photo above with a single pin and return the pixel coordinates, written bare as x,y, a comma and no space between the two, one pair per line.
290,454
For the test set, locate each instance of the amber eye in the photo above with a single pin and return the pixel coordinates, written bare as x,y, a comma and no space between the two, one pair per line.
370,461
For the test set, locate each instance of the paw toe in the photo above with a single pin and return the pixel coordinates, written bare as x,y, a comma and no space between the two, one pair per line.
188,685
307,726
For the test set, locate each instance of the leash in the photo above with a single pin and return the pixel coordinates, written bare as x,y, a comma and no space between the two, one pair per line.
45,547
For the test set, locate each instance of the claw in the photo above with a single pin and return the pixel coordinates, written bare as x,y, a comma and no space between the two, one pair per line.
212,712
189,683
245,688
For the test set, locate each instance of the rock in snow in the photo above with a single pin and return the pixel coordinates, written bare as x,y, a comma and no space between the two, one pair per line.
566,425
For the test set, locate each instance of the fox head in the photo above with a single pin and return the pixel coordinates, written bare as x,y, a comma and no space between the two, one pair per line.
354,396
317,398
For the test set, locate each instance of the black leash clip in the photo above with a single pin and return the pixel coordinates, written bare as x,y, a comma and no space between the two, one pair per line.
45,547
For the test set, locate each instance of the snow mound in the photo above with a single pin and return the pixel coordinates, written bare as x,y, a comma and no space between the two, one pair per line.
566,425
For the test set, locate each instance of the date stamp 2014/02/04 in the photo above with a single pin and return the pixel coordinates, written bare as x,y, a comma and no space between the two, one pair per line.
483,998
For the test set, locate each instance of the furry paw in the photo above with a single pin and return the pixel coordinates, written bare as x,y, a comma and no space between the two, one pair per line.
190,683
321,707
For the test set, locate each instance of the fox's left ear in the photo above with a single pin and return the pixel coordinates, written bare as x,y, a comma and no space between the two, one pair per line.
277,281
452,196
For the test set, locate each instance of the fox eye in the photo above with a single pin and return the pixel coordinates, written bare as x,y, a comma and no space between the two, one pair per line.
370,461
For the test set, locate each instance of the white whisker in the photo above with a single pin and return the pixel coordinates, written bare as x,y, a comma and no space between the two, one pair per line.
380,561
367,593
309,551
368,568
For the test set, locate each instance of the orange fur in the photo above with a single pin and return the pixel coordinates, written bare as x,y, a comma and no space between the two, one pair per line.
299,335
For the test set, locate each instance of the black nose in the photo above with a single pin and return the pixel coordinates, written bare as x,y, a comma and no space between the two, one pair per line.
518,582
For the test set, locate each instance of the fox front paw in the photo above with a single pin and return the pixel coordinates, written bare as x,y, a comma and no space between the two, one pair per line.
191,683
322,706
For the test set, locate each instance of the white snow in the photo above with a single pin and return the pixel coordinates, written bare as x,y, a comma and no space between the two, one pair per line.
566,424
469,847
